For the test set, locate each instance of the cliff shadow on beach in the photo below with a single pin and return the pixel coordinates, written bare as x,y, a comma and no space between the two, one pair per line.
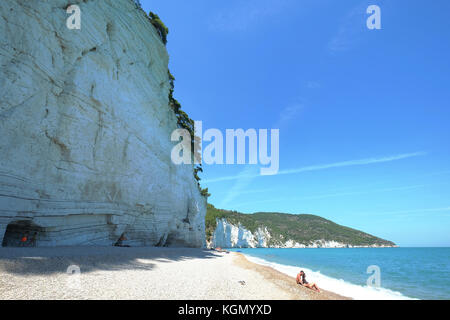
46,261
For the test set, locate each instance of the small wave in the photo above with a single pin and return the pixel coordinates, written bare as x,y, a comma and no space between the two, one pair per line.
338,286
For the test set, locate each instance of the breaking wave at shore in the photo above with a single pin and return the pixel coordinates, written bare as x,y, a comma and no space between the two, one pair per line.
338,286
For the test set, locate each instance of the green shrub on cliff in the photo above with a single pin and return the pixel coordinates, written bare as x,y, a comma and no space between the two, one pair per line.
185,122
161,28
171,80
205,192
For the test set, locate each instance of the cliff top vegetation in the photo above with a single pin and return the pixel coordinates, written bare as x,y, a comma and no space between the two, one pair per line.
301,228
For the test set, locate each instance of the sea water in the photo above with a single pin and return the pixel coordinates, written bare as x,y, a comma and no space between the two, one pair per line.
404,273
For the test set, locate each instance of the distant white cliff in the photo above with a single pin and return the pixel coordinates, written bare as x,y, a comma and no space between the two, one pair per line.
85,130
227,235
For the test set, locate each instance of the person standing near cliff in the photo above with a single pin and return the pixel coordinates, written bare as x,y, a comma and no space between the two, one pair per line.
33,240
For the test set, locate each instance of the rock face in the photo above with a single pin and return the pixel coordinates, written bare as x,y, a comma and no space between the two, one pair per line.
85,127
227,235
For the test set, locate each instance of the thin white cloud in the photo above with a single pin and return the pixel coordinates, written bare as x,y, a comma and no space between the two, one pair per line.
352,27
246,176
244,179
425,210
257,191
349,163
349,30
311,84
245,14
409,214
333,195
289,113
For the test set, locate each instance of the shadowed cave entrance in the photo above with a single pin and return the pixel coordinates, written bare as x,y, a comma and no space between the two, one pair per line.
16,230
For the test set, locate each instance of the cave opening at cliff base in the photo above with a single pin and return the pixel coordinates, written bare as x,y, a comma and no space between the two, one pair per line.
21,233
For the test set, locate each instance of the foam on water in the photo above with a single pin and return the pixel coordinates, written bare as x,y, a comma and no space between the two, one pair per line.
338,286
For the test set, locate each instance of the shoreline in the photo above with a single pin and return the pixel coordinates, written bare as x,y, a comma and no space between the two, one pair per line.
336,286
285,282
145,273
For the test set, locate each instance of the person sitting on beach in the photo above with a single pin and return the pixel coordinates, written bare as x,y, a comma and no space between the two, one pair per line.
301,280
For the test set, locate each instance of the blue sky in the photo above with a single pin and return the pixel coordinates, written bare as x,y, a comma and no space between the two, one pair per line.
363,114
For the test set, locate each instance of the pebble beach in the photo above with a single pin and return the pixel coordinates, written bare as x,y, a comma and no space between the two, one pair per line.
92,273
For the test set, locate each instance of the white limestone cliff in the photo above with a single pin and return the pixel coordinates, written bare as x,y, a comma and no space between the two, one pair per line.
85,127
228,235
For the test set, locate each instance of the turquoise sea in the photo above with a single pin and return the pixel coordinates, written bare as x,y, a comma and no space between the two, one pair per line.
405,273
